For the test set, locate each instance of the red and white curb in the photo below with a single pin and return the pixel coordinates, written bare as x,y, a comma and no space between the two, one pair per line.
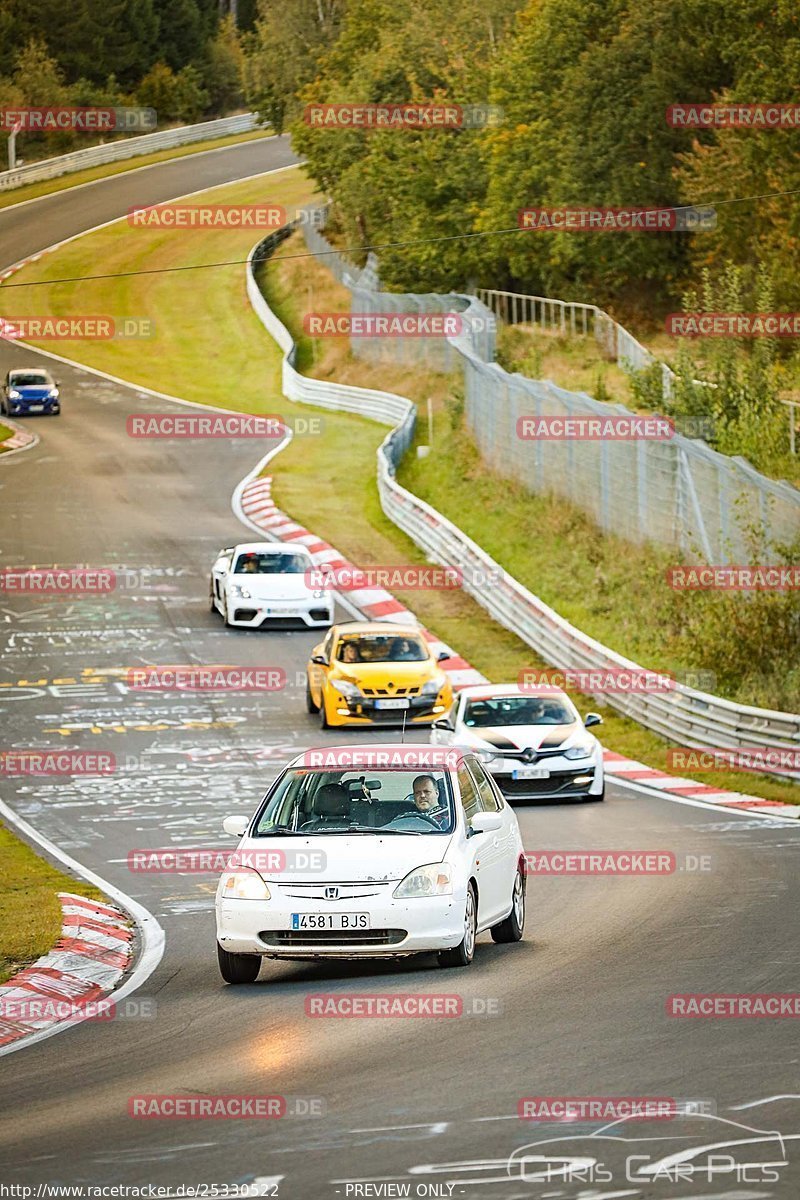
21,439
260,510
93,954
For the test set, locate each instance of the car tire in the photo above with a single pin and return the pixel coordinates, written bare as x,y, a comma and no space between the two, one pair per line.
238,968
463,954
512,928
323,716
56,412
212,605
225,620
310,705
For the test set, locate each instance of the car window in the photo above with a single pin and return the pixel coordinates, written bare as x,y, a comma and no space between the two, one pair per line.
271,564
380,802
470,799
375,648
489,799
518,710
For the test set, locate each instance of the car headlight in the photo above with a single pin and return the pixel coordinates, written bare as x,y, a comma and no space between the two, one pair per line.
578,752
242,884
347,689
14,394
54,393
433,686
434,880
241,592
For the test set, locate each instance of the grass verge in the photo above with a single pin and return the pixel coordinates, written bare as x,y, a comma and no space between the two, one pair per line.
31,191
327,483
30,912
5,434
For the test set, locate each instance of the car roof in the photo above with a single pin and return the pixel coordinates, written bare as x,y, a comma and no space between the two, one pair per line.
266,548
389,628
30,371
477,691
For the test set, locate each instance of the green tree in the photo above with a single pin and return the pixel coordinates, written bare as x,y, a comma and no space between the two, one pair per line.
223,68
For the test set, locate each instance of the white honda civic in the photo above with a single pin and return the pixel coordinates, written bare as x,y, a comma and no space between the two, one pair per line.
534,743
268,583
371,851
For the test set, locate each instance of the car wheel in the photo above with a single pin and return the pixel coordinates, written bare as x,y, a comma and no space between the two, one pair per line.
238,968
310,705
602,795
56,412
463,954
323,716
211,598
510,930
225,620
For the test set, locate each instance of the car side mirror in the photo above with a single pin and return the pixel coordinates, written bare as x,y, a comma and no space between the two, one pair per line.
442,655
236,826
486,822
592,719
320,659
442,723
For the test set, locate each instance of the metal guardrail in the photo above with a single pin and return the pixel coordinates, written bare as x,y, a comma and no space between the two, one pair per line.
682,715
148,143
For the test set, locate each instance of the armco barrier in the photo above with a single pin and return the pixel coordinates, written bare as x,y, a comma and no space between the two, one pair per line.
148,143
683,715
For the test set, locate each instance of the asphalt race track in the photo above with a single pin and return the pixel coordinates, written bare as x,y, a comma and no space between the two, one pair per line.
576,1010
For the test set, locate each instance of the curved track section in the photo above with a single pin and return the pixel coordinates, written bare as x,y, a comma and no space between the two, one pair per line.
578,1009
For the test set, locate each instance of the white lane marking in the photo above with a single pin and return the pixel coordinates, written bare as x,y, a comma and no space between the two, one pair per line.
434,1126
151,933
717,807
766,1100
76,187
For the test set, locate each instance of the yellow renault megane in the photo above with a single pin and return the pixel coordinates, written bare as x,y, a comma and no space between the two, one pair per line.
376,673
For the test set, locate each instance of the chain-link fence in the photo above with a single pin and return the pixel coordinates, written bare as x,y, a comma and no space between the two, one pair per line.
673,491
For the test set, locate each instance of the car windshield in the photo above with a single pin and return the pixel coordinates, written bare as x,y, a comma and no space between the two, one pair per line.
271,564
517,710
365,802
30,379
380,648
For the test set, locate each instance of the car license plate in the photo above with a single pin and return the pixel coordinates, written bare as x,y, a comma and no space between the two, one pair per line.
530,773
35,408
398,703
330,920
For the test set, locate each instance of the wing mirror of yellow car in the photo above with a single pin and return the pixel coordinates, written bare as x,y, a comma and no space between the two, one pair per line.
442,655
319,659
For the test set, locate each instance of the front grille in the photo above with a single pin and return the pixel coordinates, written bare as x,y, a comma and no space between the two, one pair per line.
400,691
557,783
346,891
319,614
333,937
245,614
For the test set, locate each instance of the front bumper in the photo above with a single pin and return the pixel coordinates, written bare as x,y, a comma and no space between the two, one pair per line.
252,614
24,408
422,710
566,778
397,927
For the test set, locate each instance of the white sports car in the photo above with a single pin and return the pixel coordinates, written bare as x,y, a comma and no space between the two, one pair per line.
268,583
554,755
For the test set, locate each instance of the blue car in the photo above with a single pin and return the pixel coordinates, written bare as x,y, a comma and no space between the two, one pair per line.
30,390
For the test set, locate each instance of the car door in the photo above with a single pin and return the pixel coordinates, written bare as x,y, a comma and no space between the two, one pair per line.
317,673
484,853
507,837
219,573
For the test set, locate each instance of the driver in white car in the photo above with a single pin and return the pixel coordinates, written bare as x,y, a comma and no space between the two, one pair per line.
426,800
